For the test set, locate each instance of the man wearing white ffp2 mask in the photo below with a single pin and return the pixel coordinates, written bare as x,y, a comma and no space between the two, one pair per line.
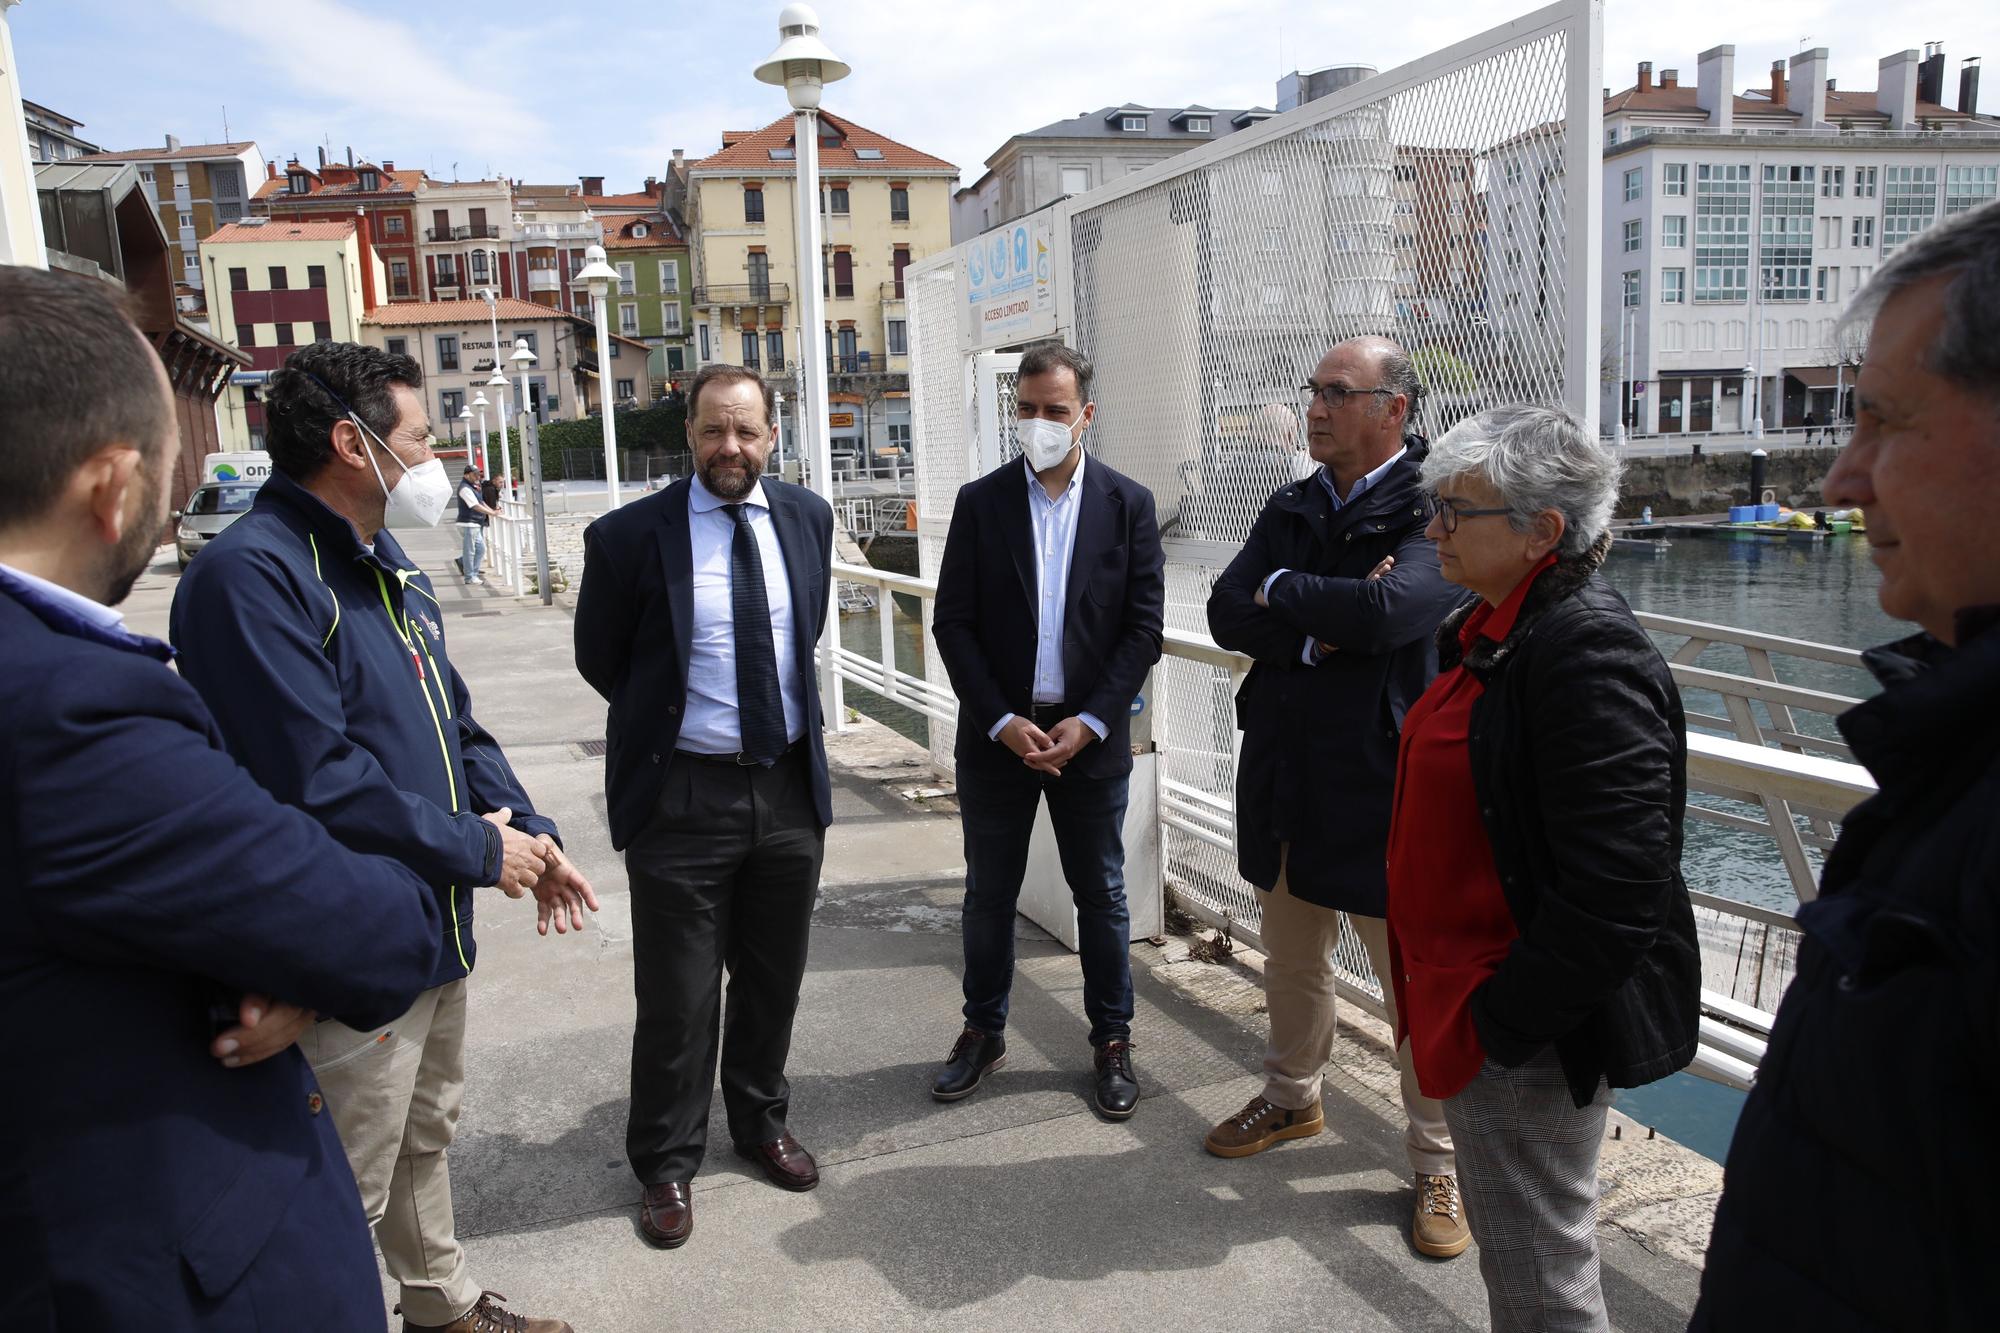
421,493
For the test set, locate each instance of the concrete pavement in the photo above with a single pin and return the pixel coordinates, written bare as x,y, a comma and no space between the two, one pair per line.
1015,1208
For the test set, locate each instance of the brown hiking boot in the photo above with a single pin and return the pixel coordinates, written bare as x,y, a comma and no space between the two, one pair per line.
1259,1125
488,1317
1439,1228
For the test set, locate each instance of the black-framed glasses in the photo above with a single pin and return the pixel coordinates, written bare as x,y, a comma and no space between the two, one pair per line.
1449,512
1336,395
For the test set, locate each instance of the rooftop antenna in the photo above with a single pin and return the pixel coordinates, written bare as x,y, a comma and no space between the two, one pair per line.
225,123
454,172
1803,40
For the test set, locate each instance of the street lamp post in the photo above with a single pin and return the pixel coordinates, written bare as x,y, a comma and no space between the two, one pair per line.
597,278
479,402
465,415
491,295
531,447
803,65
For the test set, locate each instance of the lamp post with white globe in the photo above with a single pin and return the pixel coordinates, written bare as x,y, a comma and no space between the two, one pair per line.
597,278
479,406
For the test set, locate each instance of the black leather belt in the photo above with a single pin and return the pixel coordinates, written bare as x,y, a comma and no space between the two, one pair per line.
739,759
1047,715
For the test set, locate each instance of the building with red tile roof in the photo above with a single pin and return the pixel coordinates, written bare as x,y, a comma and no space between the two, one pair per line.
336,191
194,188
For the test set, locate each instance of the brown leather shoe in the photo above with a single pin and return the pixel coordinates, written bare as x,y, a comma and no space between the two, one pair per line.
789,1165
1261,1124
1439,1228
666,1214
488,1317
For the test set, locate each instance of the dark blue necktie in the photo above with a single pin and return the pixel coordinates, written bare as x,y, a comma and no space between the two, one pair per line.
760,705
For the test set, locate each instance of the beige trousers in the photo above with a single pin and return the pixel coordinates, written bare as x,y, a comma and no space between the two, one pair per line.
395,1093
1299,939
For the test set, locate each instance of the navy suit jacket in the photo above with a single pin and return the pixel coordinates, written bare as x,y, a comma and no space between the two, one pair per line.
149,884
987,614
635,628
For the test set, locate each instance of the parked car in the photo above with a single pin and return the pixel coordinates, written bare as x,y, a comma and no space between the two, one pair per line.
213,507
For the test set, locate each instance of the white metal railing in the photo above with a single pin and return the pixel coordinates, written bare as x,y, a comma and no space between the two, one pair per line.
1759,765
510,545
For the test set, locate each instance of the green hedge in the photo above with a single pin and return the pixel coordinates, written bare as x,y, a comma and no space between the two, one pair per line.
652,430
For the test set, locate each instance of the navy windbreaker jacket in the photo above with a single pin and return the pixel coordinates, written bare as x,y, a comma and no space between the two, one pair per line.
324,664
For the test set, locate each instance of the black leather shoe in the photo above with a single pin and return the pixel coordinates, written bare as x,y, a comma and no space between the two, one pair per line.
785,1161
1117,1091
972,1055
666,1214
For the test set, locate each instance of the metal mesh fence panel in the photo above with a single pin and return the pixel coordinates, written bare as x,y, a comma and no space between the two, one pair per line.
941,422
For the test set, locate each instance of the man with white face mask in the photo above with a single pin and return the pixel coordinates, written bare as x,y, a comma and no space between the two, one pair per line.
319,646
1049,615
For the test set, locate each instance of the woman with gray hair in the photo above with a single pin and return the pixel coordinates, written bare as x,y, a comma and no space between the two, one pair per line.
1543,944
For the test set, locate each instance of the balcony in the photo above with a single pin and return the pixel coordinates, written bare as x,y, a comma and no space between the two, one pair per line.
549,233
544,280
744,293
485,232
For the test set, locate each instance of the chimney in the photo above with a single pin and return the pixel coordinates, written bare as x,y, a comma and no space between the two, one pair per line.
270,170
1968,86
1930,75
678,156
350,155
1896,89
1715,86
1806,92
652,185
322,159
1829,86
388,166
1645,76
369,299
592,184
1778,83
173,143
1670,78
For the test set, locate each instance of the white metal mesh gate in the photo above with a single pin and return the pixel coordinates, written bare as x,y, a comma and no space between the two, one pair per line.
1432,203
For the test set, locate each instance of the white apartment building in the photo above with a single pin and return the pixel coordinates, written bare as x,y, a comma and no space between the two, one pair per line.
1738,228
465,232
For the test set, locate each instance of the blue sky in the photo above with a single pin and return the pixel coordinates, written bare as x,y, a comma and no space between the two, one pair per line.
548,91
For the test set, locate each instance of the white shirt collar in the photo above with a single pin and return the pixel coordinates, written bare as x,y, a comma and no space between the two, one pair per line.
701,500
96,613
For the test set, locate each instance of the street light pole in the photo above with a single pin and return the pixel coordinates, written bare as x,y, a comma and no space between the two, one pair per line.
531,447
499,385
803,65
479,403
597,277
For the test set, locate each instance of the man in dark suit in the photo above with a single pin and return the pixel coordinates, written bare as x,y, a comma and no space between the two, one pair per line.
1336,595
165,1156
696,621
1049,614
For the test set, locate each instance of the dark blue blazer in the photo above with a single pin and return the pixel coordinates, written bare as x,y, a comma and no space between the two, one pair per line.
988,615
293,633
149,884
635,628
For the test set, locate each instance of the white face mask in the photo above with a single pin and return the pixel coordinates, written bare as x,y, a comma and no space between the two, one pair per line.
1044,443
420,494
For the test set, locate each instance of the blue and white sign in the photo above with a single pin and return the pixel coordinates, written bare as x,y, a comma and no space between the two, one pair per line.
1006,279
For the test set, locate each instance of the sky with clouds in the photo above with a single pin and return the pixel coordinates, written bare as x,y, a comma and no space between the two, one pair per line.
549,92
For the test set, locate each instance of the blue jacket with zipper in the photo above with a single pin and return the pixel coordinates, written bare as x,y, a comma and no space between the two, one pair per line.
324,663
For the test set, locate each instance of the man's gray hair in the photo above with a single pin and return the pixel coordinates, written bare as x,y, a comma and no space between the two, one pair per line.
1967,248
1536,457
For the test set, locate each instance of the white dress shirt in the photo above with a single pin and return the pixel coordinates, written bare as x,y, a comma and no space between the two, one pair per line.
1054,524
97,613
1310,654
710,724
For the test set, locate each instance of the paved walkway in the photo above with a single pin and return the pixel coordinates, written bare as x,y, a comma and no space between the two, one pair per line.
1017,1208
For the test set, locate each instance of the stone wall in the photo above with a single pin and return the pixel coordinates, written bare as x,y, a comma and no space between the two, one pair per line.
1682,484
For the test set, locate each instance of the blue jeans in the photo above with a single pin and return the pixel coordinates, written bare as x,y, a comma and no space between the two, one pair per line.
997,814
472,548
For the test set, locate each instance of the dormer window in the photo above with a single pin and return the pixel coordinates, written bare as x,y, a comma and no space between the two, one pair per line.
639,231
1133,124
369,181
297,183
1197,124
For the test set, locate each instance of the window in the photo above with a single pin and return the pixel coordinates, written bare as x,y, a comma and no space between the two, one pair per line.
278,279
675,360
774,348
1722,232
1075,180
1860,275
1785,224
479,273
628,319
528,336
583,309
628,279
1133,124
393,225
1864,182
397,346
286,338
899,337
850,351
246,335
1635,235
760,277
370,182
898,261
623,390
1831,182
701,342
1704,335
1909,204
1197,124
750,348
1673,336
315,275
1674,231
1734,331
399,277
670,275
899,203
1826,286
447,267
1674,179
836,200
1673,286
297,182
1635,183
1632,287
1610,136
753,204
1795,333
1830,233
447,345
1514,171
1968,187
1863,237
239,279
670,317
187,221
322,331
843,273
451,402
639,231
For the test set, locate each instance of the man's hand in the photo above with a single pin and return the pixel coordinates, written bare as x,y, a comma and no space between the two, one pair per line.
562,891
1068,738
1025,739
1387,563
523,859
265,1028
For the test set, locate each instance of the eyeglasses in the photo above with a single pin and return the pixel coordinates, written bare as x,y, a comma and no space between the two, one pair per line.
1450,512
1336,395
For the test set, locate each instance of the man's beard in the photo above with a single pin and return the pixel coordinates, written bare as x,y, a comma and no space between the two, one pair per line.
133,555
731,483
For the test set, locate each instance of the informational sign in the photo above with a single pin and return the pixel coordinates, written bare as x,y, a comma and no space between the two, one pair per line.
1006,280
839,419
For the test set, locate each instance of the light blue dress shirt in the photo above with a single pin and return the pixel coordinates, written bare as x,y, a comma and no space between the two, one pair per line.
1054,524
97,613
710,725
1310,654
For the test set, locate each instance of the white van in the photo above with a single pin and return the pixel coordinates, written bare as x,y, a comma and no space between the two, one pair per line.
253,466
